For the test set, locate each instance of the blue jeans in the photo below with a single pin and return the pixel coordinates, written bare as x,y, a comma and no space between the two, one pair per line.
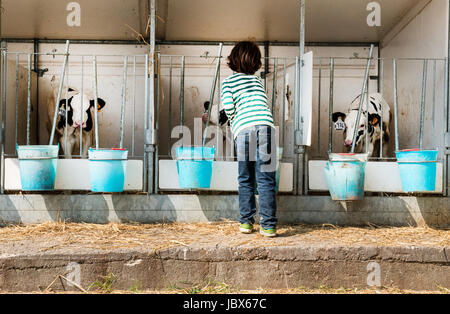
257,166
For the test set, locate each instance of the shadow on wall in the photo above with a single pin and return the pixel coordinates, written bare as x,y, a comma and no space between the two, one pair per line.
432,211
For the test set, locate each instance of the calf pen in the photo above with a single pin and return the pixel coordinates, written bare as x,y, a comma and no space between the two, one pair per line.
281,81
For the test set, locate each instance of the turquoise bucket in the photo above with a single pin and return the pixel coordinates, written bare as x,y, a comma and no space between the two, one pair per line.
417,169
37,164
194,166
345,174
107,169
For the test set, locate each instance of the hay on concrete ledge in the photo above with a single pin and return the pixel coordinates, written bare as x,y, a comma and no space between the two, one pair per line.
161,236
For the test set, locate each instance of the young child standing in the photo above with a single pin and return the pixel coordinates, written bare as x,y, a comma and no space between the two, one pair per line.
245,103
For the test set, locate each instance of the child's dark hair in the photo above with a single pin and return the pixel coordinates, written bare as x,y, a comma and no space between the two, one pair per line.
245,58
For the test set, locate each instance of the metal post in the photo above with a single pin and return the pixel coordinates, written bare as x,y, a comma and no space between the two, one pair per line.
58,98
422,103
82,106
266,63
124,98
330,108
158,80
433,115
361,98
299,136
134,107
274,86
17,99
211,96
96,102
3,131
394,72
283,114
367,117
319,105
29,99
67,110
151,126
169,140
381,89
146,140
296,117
182,97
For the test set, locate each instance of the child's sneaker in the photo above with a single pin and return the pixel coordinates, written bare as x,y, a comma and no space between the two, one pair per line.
268,232
246,228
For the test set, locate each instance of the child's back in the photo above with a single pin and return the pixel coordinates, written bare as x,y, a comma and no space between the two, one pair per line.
245,103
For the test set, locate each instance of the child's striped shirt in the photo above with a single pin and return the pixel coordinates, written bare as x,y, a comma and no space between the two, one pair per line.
245,102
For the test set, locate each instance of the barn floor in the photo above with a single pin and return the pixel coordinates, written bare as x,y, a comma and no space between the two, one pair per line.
179,256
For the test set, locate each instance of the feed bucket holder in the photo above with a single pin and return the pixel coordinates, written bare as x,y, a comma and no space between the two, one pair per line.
38,164
194,166
107,169
417,169
345,174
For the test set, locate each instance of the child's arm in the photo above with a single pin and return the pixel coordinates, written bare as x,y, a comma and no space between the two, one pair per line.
227,101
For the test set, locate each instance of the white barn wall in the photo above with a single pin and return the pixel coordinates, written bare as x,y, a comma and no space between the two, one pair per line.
424,37
198,80
10,122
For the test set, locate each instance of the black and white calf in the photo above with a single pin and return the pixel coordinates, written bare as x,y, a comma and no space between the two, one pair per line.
79,112
376,105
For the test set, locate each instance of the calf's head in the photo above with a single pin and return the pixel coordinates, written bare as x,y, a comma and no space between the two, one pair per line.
351,124
79,111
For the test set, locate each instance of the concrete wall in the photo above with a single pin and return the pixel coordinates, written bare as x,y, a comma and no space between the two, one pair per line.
425,36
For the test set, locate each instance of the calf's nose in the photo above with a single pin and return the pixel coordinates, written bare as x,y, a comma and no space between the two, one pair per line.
348,143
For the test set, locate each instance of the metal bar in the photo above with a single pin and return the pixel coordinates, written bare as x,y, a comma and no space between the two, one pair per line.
190,43
28,99
266,63
296,166
422,103
381,90
158,64
218,110
362,97
169,140
367,117
182,96
283,114
82,106
124,97
96,102
319,105
151,116
211,96
300,148
146,101
134,107
446,123
274,87
394,73
330,108
58,98
39,74
67,110
17,100
3,131
433,116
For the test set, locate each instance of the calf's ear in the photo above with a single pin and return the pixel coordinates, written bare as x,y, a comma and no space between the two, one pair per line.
374,119
338,115
206,105
101,103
